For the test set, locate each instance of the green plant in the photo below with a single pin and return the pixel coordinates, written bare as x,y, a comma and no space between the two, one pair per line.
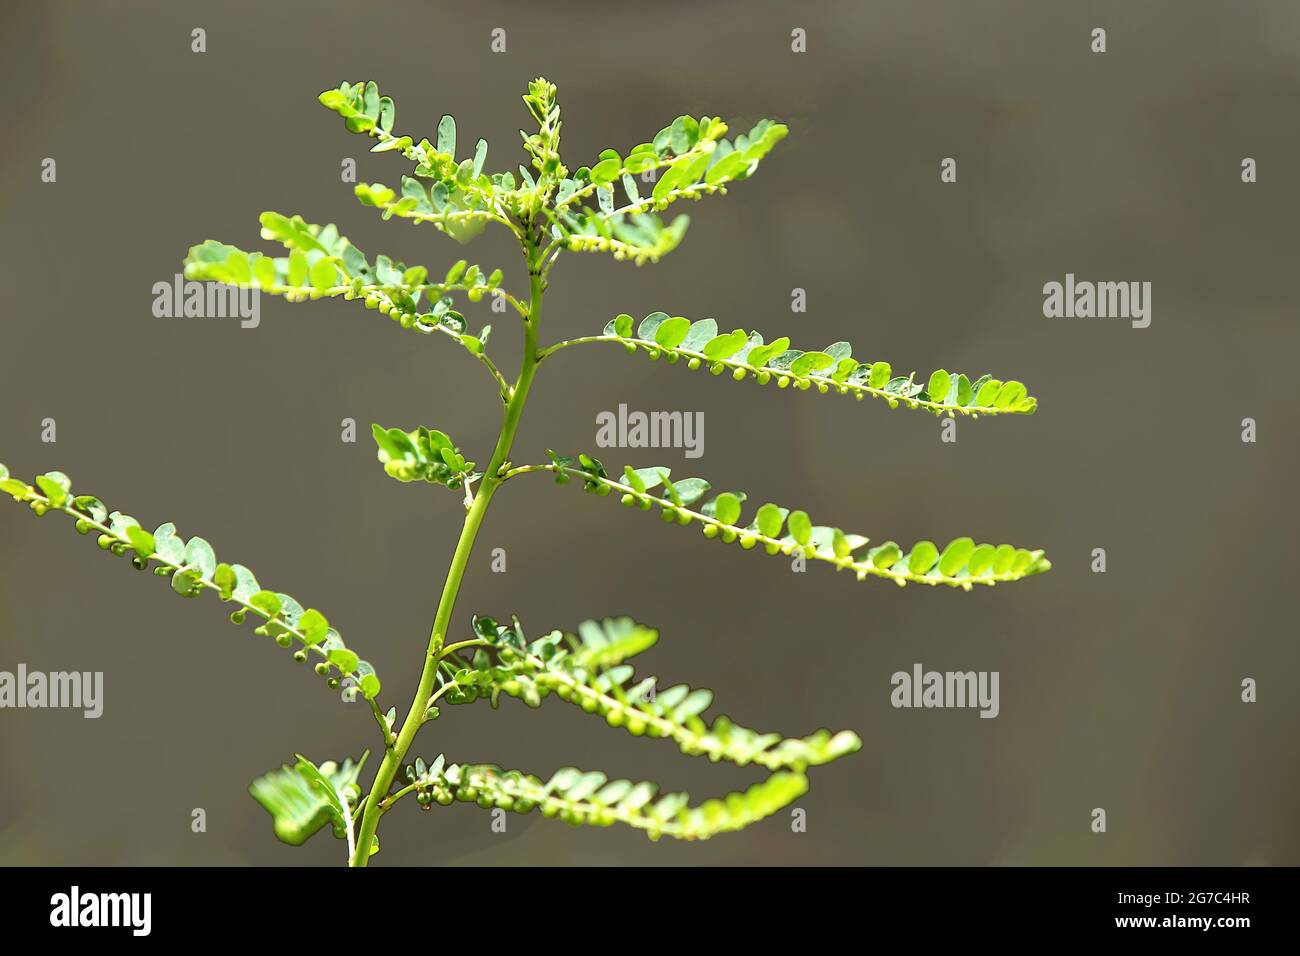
548,211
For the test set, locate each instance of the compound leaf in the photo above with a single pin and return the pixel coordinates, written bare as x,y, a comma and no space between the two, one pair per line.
961,563
192,568
831,369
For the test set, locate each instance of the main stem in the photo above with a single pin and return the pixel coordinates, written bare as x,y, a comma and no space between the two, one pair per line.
396,754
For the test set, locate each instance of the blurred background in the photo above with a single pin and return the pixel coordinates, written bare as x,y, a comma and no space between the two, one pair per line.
1118,690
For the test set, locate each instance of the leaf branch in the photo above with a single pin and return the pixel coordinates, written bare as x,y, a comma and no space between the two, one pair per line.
193,569
962,563
700,345
590,798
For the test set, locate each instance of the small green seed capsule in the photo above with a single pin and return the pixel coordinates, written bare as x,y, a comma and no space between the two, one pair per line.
823,387
710,531
728,535
748,543
104,542
717,368
322,669
139,563
782,381
163,570
603,490
805,384
237,617
860,395
738,374
693,364
39,508
83,526
284,640
333,683
630,347
300,656
764,377
118,548
672,358
627,501
668,514
645,504
683,517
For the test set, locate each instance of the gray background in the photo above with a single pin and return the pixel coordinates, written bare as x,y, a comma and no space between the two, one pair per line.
1118,690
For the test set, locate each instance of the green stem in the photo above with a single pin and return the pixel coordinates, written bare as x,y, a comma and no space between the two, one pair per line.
394,757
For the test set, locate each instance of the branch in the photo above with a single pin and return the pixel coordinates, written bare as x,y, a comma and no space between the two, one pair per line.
590,798
700,345
962,563
588,670
193,569
319,257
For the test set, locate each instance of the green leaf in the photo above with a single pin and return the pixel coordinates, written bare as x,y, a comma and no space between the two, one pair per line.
313,626
924,554
323,275
424,454
955,556
225,580
447,135
185,581
344,659
588,671
727,508
586,798
938,386
769,519
800,527
200,556
12,486
303,798
720,519
55,486
322,262
672,332
747,356
142,541
268,602
192,568
724,346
